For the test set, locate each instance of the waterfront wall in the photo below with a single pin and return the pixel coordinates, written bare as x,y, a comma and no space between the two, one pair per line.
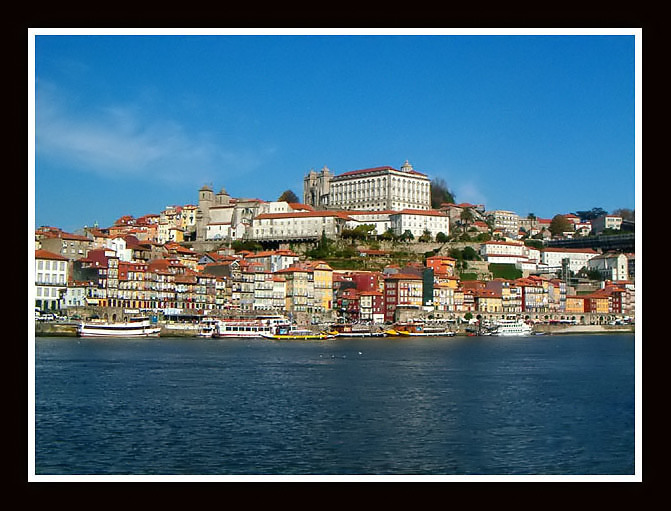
55,329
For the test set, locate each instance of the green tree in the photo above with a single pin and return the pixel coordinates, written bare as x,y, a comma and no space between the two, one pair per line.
559,225
441,237
591,214
288,196
470,254
466,217
388,235
440,193
426,236
625,213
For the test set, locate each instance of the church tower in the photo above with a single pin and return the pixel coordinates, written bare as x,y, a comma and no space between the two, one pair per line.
205,202
316,188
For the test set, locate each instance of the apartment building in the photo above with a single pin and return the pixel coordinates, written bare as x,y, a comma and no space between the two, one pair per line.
51,279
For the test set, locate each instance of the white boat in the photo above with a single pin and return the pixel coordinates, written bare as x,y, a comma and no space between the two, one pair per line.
511,327
134,327
255,327
208,327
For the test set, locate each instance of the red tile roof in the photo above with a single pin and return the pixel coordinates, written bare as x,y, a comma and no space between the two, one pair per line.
376,169
45,254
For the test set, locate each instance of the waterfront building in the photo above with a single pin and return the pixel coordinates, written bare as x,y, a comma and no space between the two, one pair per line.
511,294
371,307
348,303
402,290
487,301
534,297
575,304
322,277
371,189
443,298
51,279
299,290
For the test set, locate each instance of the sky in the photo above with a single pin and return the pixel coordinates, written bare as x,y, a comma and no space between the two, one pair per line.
127,124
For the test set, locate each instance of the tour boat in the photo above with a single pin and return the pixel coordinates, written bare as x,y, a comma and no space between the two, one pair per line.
349,330
286,332
511,327
420,330
134,327
255,327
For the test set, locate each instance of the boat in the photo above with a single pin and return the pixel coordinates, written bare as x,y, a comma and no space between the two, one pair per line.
253,327
349,330
422,330
134,327
511,327
287,332
208,327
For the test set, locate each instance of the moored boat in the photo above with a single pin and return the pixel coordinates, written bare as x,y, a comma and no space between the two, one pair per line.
134,327
511,328
421,330
349,330
286,332
253,327
208,327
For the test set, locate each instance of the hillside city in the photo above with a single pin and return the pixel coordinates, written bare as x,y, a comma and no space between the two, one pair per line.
367,246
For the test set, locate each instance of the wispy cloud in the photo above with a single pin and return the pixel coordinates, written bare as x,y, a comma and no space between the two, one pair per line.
469,192
116,141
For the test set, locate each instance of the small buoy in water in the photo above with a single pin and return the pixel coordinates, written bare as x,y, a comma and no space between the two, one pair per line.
360,353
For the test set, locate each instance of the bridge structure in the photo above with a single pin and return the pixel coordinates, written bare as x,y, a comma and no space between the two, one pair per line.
617,242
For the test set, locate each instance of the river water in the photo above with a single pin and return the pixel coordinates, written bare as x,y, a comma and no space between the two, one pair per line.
540,405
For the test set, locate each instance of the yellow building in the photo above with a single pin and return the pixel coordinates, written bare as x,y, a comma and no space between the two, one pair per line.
487,301
575,305
323,286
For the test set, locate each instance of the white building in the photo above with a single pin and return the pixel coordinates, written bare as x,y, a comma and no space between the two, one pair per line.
51,279
612,266
578,257
419,221
508,221
120,247
380,219
507,248
371,189
606,222
297,225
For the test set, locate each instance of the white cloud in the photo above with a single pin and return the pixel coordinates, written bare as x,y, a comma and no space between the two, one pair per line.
117,142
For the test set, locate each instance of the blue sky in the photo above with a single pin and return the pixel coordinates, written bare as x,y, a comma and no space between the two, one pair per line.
129,124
